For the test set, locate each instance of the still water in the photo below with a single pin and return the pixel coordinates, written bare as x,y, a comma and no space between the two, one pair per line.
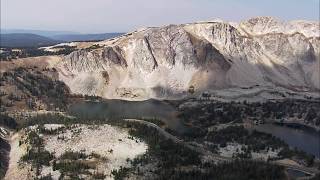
129,109
296,174
305,140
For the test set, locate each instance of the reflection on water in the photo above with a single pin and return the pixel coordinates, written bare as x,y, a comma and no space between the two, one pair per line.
306,140
129,109
295,173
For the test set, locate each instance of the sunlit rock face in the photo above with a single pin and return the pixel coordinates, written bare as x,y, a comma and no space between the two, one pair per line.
164,62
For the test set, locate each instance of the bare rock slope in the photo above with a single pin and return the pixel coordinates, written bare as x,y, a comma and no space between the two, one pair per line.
164,62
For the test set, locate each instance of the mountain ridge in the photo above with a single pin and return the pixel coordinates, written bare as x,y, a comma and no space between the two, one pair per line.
164,62
25,40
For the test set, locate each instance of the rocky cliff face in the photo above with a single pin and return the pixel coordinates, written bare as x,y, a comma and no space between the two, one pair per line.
164,62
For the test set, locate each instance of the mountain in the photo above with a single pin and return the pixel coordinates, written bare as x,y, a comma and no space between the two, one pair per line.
25,40
164,62
85,37
37,32
56,36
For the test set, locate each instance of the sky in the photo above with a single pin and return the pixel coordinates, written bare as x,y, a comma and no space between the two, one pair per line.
97,16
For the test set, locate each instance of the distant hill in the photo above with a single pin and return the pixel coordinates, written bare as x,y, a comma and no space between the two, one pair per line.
25,40
37,32
85,37
36,38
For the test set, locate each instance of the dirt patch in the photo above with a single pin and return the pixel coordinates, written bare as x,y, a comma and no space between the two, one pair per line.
41,62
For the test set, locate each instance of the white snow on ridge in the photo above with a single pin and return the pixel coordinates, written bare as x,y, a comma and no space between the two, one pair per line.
54,47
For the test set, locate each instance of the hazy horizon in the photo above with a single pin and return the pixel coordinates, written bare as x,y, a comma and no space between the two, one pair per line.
98,16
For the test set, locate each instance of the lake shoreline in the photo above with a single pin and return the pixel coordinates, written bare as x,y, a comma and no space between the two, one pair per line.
305,139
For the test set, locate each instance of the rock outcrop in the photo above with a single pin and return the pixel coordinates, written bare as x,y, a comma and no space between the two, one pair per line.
165,62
